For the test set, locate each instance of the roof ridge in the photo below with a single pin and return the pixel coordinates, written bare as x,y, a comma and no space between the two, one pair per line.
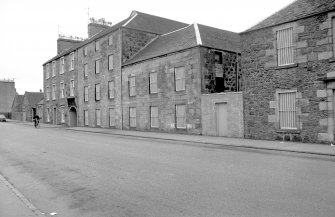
177,30
133,15
197,34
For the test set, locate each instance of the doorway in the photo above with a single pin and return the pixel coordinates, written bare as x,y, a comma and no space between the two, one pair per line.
73,117
221,119
54,119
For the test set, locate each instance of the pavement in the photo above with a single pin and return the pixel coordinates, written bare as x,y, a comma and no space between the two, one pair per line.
16,205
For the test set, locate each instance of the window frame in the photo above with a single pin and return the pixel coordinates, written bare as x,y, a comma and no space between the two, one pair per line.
97,63
97,45
110,59
48,93
62,65
53,91
72,87
97,93
62,119
110,117
85,51
177,81
153,89
62,86
98,119
47,71
152,119
53,71
132,88
287,115
110,40
178,118
132,117
85,93
72,61
111,89
285,46
86,117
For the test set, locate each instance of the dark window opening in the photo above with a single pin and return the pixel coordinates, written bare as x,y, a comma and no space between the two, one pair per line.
219,85
218,57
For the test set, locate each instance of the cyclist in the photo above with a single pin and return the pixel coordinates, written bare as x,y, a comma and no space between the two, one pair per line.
36,120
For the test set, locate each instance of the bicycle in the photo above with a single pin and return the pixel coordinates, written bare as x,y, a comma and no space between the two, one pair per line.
36,123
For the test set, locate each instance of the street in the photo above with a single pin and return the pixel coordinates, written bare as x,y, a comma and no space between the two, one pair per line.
90,174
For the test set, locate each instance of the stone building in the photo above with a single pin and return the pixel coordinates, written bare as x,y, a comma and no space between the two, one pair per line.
29,105
17,112
197,74
7,94
288,69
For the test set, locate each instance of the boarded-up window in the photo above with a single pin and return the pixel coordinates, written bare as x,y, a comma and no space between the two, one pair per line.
180,78
53,68
85,94
62,90
53,91
62,65
97,67
85,117
153,82
85,51
180,116
111,89
110,62
154,117
110,40
285,46
72,61
85,70
132,117
47,71
111,117
287,110
98,117
97,92
97,45
132,86
72,88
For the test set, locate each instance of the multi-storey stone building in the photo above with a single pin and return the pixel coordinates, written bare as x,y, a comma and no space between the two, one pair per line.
289,72
7,95
148,73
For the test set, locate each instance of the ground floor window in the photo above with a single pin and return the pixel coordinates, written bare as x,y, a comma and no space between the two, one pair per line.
180,116
62,114
85,117
48,114
132,117
287,110
111,117
98,117
154,117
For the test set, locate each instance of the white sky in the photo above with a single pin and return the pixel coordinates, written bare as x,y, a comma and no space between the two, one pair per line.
29,29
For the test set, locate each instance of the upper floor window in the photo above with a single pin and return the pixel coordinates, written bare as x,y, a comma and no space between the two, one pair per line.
97,66
62,65
97,45
47,71
61,89
153,82
132,86
85,94
53,68
72,61
287,109
110,62
179,78
333,25
111,89
72,87
85,51
85,70
285,47
53,91
218,57
110,40
48,93
97,92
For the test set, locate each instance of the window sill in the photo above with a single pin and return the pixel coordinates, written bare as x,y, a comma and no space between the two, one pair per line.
296,131
331,60
287,66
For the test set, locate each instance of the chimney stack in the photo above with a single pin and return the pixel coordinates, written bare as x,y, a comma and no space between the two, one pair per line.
96,26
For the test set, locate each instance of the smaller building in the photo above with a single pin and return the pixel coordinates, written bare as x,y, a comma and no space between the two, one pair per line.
29,105
17,112
7,94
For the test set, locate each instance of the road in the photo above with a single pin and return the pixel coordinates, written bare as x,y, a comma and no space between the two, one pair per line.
88,174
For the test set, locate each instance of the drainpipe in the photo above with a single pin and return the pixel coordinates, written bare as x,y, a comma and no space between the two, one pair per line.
121,100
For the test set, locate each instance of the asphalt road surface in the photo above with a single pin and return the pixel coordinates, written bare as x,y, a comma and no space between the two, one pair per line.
88,174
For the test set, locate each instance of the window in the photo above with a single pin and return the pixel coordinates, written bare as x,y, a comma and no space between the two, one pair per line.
180,116
97,45
179,78
111,89
154,117
72,61
53,89
287,110
132,86
85,70
85,94
72,87
62,114
48,93
132,117
53,68
218,57
98,117
111,117
285,46
85,51
47,71
62,65
97,66
48,114
333,27
85,117
110,40
110,62
97,92
153,82
61,89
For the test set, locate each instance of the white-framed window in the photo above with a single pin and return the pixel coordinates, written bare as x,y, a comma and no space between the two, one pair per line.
111,117
53,89
85,70
47,71
72,61
62,65
72,87
179,75
285,48
97,45
154,117
48,114
48,93
97,66
111,89
132,117
97,92
53,68
85,51
98,117
153,82
180,116
86,117
110,62
287,109
86,94
132,86
110,40
61,89
62,110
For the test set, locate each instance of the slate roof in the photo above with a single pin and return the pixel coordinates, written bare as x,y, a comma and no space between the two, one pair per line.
187,38
136,20
296,10
17,103
33,97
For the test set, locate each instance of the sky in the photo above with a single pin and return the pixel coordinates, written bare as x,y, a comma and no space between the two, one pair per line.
29,29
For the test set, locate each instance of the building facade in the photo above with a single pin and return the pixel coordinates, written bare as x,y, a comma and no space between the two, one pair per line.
7,95
289,71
